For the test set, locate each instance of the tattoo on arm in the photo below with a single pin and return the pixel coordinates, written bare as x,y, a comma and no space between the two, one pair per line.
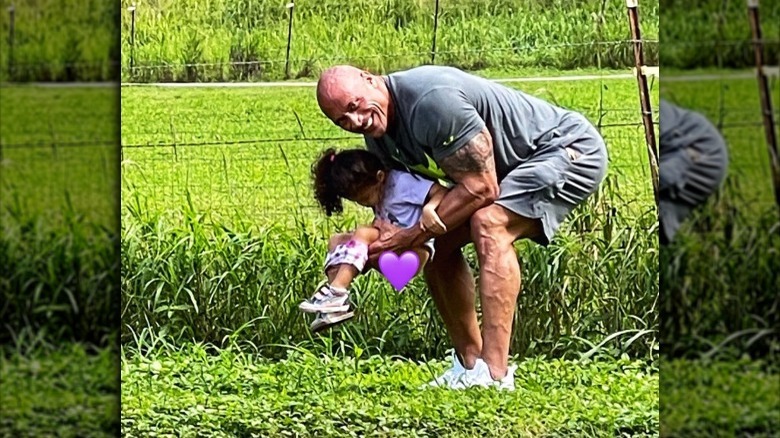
476,157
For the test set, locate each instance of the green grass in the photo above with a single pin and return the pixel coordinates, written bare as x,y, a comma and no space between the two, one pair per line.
56,40
228,393
715,33
734,106
79,41
719,399
58,152
58,215
720,276
262,116
69,392
383,37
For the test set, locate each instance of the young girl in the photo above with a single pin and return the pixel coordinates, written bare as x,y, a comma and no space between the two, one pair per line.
399,197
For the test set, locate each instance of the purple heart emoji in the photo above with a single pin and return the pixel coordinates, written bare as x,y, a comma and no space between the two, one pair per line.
399,270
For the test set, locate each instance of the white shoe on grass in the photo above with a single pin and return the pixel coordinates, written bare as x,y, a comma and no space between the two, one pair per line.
480,376
449,376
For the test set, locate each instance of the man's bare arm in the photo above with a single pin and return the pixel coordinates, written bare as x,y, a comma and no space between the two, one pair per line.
473,168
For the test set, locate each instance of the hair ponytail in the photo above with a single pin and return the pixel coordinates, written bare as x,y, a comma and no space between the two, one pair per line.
343,174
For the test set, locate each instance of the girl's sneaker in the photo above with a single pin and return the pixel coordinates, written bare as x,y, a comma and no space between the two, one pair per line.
327,320
326,300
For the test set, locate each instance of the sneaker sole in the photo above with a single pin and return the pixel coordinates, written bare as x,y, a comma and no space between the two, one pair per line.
337,321
310,308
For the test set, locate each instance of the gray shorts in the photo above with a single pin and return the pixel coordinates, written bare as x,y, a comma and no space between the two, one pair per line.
550,184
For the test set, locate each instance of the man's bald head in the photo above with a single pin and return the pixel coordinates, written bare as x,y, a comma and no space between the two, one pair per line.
335,81
355,99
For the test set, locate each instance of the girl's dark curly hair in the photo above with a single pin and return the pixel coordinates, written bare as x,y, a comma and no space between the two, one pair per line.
343,174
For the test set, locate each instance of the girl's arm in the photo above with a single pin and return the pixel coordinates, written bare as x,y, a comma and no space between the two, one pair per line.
430,220
435,195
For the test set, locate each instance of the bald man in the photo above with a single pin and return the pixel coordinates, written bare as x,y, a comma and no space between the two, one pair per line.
693,164
518,166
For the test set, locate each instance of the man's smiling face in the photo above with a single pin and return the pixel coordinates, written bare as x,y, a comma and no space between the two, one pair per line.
354,100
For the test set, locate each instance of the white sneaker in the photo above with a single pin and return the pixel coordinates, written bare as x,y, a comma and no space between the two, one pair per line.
325,320
450,375
327,300
480,376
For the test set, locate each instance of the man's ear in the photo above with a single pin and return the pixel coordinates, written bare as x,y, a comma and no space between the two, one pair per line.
380,175
368,77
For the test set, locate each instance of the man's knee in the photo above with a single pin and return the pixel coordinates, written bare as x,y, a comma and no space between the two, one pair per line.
496,224
488,225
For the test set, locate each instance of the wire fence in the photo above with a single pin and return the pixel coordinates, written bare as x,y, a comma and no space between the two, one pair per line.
423,33
246,164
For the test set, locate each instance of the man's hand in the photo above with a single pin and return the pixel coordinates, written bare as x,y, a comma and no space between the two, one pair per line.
393,238
431,221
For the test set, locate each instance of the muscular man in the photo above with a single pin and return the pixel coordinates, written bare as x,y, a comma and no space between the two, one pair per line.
518,166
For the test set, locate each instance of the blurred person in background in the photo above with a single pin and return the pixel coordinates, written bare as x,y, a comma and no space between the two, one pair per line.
693,164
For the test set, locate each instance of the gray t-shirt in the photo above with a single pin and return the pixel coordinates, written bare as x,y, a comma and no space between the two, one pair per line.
403,199
682,128
693,154
439,109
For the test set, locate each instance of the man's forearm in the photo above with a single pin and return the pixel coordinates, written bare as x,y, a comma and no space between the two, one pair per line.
473,168
457,206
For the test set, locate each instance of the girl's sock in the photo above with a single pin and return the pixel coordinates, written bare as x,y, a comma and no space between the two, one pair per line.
338,290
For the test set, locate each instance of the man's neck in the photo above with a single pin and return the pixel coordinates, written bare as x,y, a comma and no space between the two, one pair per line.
392,124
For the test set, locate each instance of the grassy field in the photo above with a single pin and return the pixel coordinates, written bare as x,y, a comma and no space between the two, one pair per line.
58,146
715,34
714,399
59,213
283,129
59,285
230,392
734,106
242,40
719,280
72,391
215,41
233,393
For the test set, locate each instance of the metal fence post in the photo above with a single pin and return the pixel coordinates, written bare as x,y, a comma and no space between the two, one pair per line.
11,37
435,28
644,95
291,7
132,37
599,32
766,102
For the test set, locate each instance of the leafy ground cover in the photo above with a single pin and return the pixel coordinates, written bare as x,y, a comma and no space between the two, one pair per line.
71,391
237,394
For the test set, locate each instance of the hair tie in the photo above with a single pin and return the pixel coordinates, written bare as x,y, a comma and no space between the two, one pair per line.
332,157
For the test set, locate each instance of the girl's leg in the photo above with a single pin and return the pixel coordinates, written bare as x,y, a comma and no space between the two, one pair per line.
347,255
346,273
423,253
333,242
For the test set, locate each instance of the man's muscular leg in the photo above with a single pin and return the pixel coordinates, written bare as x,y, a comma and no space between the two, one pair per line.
451,284
494,230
